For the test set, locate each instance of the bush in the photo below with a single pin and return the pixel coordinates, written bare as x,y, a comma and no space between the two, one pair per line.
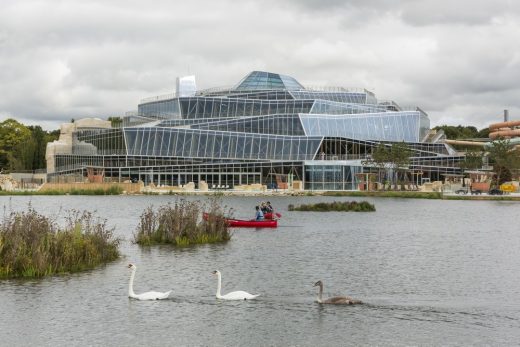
32,245
388,194
337,206
181,224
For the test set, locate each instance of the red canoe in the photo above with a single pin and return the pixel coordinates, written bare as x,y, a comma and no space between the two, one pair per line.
272,215
240,223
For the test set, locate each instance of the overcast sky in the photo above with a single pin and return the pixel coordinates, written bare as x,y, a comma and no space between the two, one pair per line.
459,60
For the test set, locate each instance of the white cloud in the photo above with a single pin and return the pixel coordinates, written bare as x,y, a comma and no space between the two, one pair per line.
459,60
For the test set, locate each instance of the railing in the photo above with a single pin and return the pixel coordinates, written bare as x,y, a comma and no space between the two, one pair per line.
214,90
341,156
335,89
158,98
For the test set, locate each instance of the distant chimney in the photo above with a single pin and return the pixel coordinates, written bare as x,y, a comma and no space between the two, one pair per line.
506,115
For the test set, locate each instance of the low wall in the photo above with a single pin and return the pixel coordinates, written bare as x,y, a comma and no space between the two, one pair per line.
128,187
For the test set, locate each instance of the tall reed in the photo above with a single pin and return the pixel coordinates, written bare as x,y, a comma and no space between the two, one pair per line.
33,245
181,224
113,190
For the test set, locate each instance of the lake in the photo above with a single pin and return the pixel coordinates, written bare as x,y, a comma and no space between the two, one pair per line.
430,272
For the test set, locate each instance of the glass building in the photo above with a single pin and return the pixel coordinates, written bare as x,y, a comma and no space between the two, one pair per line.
269,129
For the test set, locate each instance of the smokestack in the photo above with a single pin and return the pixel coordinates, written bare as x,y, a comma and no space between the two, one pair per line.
506,115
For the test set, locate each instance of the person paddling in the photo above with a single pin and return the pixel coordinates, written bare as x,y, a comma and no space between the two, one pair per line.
259,214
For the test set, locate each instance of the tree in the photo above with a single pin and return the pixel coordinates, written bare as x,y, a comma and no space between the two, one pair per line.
400,154
503,156
395,157
462,132
23,147
502,175
115,121
472,161
13,135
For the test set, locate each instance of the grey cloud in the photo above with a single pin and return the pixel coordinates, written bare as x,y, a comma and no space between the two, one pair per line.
465,12
67,59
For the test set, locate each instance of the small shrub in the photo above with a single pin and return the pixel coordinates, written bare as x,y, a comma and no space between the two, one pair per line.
181,224
336,206
32,245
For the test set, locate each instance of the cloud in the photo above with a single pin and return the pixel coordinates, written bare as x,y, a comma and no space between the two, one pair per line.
70,59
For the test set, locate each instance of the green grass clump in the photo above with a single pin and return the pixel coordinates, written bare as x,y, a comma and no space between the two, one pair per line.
181,224
113,190
32,245
337,206
388,194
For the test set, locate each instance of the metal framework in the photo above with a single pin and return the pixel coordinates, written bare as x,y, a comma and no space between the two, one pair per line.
268,123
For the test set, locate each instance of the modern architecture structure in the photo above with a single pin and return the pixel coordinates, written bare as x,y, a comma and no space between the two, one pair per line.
268,129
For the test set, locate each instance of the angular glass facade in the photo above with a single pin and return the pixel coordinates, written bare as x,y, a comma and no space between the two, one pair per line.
265,129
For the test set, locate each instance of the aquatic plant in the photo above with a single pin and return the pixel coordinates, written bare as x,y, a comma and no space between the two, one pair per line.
337,206
388,194
181,224
33,245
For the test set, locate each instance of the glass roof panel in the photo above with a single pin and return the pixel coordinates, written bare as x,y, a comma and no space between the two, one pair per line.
267,80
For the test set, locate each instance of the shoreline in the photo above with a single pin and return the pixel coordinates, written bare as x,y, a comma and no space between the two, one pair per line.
375,194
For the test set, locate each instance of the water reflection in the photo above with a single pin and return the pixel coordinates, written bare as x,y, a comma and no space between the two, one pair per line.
429,272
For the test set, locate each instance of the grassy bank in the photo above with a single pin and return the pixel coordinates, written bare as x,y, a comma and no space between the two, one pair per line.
181,224
336,206
388,194
482,197
32,245
114,190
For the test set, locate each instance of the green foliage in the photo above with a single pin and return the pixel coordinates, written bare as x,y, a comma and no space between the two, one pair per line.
23,147
472,159
32,245
336,206
462,132
115,121
113,190
13,136
504,157
381,156
502,175
395,157
389,194
181,224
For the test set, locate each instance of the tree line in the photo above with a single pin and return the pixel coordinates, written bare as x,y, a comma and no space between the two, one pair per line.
23,147
463,132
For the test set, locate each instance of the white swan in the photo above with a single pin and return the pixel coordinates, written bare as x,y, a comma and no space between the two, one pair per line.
144,296
336,300
238,295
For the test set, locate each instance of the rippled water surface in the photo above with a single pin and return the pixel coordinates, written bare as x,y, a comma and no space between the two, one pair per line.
431,272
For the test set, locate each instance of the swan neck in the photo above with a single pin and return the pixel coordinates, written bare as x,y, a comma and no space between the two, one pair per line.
219,284
320,294
131,284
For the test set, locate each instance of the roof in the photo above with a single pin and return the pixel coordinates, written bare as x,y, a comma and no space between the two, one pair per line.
262,80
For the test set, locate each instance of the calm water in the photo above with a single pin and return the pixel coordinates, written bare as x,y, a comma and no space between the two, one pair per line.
430,272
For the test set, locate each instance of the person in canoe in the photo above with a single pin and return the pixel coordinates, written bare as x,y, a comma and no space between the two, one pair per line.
268,207
263,207
259,214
